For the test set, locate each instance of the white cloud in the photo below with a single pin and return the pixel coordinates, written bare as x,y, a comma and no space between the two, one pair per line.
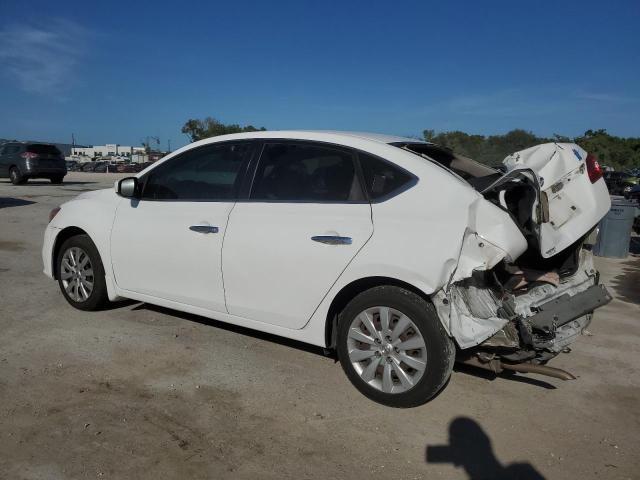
41,59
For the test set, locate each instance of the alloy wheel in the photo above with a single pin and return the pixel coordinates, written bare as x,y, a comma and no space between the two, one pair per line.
386,349
76,274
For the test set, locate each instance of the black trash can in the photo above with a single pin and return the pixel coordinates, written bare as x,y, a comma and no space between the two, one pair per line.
615,230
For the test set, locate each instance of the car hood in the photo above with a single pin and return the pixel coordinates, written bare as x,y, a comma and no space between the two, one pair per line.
96,194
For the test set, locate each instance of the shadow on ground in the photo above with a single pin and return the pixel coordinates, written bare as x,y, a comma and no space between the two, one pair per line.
13,202
505,375
469,370
237,329
627,284
47,182
470,448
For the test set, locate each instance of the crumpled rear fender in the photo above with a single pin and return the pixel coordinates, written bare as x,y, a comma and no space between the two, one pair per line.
468,311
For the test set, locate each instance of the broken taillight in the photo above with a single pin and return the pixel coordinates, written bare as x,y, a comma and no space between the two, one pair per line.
593,168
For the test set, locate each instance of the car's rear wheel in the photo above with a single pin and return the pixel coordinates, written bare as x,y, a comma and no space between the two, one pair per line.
393,347
80,274
57,179
16,176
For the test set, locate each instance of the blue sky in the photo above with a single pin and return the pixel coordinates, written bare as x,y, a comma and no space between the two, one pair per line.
119,71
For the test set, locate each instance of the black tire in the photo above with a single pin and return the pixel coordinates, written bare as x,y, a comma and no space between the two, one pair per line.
439,347
16,176
98,297
57,180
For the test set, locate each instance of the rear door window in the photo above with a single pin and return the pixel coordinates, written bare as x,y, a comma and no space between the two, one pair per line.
305,172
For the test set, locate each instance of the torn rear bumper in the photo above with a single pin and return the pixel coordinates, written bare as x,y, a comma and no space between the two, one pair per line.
531,325
562,310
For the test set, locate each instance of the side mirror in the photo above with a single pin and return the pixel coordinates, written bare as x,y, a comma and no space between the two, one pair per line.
127,187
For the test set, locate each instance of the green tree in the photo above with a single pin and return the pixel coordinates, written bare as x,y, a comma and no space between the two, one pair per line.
197,129
618,152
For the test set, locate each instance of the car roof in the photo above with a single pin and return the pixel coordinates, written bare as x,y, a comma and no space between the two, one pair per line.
376,137
328,135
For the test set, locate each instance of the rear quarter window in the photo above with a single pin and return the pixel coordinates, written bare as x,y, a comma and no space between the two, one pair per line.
383,179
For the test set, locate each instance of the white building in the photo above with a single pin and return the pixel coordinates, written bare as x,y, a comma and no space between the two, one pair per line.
108,150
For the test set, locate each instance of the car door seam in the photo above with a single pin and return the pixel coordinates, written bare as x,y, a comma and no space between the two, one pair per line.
224,236
342,271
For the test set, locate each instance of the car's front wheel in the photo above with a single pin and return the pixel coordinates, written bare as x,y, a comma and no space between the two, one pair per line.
80,273
393,347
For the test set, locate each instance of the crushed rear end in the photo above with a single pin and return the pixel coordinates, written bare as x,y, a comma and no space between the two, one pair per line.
520,296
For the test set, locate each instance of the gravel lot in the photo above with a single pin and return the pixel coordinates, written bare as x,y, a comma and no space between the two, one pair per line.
144,392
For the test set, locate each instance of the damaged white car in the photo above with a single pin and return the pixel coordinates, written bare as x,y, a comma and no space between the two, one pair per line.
397,254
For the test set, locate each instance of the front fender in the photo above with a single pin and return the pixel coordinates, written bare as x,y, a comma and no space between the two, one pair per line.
92,213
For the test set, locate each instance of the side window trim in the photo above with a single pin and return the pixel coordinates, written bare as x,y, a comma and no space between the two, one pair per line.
253,169
241,173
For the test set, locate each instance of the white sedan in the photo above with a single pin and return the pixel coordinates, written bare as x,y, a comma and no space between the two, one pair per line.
397,254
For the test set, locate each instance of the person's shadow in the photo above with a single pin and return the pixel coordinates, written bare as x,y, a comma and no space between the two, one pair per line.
470,448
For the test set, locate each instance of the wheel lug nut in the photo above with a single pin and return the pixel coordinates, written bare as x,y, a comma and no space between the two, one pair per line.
389,360
397,350
377,340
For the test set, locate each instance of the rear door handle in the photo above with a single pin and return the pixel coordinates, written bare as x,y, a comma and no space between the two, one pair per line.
203,229
332,240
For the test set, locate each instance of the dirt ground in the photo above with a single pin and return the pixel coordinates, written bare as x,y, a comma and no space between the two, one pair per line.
140,392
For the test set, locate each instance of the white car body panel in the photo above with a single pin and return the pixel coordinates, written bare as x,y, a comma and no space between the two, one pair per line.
575,204
153,251
92,212
259,285
430,236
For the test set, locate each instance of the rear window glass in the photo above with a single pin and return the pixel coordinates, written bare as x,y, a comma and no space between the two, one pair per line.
43,149
382,178
462,166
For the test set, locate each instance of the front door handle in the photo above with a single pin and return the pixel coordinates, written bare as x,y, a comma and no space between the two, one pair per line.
332,240
203,229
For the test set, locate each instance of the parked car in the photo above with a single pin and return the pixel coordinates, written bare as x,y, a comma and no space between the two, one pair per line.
138,167
103,167
634,194
20,161
397,254
71,164
619,183
89,166
74,166
126,168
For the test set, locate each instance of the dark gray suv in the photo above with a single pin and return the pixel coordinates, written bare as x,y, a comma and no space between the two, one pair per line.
21,161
